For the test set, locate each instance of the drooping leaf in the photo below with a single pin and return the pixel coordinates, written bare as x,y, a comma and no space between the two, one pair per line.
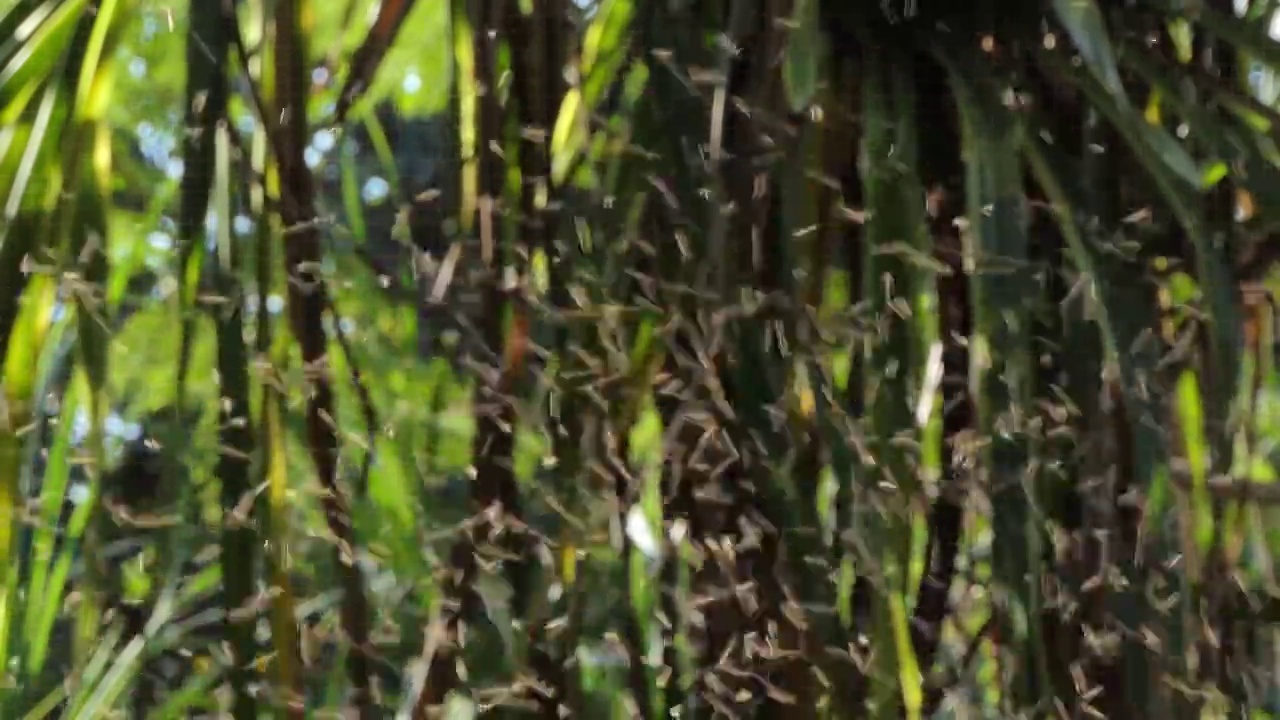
1088,30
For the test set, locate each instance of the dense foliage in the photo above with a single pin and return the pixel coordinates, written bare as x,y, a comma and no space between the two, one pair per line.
622,358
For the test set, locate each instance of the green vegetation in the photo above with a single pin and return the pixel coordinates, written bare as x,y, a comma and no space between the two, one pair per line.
620,358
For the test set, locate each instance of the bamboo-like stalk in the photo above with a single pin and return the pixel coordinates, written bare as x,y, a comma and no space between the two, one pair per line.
996,249
269,356
669,117
493,489
591,435
940,173
774,211
537,42
1224,370
307,301
236,446
894,265
206,155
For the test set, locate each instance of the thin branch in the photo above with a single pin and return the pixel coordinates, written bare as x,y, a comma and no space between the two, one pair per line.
369,56
269,125
367,407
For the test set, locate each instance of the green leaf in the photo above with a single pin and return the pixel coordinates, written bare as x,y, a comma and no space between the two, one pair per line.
604,52
1213,174
1190,409
908,670
36,56
45,587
